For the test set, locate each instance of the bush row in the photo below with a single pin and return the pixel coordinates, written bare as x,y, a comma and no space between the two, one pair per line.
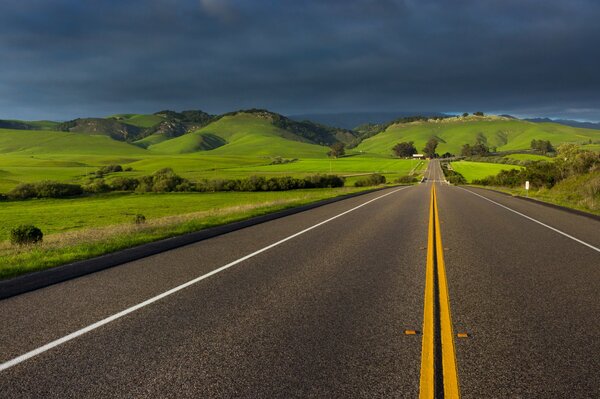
452,176
165,180
372,180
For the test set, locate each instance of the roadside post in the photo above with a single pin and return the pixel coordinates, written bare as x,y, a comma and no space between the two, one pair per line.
527,188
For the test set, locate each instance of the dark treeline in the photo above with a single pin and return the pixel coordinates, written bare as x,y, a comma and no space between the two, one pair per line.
165,180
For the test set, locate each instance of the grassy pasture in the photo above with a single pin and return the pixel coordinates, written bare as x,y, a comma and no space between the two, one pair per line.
479,170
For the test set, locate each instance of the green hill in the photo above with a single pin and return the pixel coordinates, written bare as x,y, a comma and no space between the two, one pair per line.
242,134
139,120
27,125
503,133
35,142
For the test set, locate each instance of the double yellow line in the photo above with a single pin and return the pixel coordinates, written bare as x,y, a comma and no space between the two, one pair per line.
439,377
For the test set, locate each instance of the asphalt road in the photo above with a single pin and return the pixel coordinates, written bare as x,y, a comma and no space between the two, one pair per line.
323,313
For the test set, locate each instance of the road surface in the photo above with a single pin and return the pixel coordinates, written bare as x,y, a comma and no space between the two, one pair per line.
328,303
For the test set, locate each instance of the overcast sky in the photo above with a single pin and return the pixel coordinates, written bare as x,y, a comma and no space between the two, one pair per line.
62,59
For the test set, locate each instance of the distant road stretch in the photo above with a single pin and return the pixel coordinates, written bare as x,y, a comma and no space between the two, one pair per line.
407,292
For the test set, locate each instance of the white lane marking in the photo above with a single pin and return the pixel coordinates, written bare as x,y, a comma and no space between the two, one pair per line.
73,335
536,221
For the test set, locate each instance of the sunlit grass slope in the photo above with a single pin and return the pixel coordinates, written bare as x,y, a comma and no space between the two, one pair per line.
479,170
242,134
140,120
35,142
504,134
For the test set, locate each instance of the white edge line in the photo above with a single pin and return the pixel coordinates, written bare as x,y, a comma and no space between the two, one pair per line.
91,327
535,220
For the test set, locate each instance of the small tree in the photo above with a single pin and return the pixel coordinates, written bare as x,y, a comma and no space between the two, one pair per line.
404,149
542,146
430,148
478,113
336,150
465,114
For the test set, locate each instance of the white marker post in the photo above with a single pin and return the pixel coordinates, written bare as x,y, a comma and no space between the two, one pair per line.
527,188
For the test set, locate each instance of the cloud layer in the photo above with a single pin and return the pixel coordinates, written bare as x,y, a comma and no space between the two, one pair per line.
65,58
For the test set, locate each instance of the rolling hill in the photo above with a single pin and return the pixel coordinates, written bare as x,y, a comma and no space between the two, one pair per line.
505,134
242,134
35,142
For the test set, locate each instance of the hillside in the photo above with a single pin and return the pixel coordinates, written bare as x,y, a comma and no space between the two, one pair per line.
242,134
28,142
27,125
505,134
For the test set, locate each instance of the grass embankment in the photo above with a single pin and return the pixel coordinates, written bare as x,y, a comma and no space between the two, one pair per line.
478,170
577,192
82,228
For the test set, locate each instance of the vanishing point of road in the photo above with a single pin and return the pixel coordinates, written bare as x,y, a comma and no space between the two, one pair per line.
423,291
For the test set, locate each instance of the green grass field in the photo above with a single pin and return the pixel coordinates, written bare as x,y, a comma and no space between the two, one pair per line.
479,170
506,135
85,227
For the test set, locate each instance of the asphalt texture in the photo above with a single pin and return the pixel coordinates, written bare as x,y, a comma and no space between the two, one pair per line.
323,314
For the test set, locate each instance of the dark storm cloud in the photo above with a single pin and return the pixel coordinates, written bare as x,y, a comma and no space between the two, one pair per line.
62,59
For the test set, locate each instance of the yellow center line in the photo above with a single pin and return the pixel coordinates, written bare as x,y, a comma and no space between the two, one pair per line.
437,319
427,382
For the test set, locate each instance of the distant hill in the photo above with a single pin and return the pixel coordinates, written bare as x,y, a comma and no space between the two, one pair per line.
504,133
252,133
350,120
27,125
261,133
567,122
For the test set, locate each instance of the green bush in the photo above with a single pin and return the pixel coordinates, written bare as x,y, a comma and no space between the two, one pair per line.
97,187
139,219
124,184
25,234
111,168
372,180
406,179
45,189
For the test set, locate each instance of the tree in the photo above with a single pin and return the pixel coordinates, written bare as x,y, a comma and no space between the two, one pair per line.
478,113
465,114
466,150
405,149
336,150
430,147
542,146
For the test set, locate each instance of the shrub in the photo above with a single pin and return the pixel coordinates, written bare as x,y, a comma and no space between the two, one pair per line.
456,179
452,176
97,187
139,219
124,184
406,179
23,191
111,169
372,180
323,181
163,180
45,189
26,234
